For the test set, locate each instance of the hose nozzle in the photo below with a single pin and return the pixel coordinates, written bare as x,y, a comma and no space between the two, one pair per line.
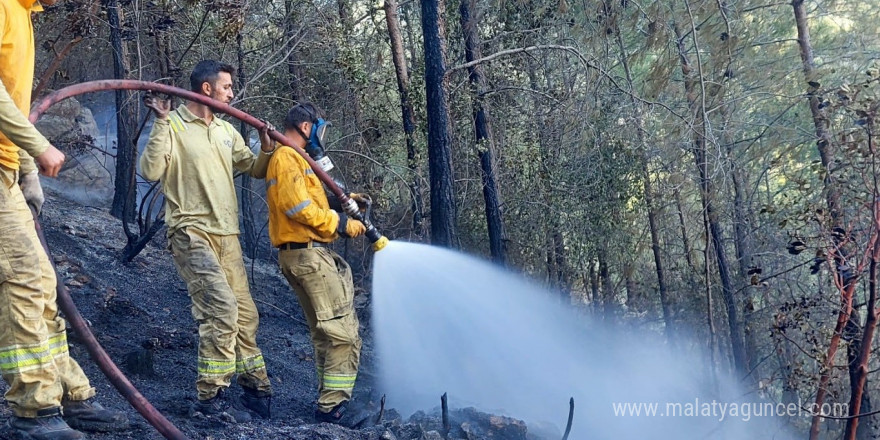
353,210
379,241
380,244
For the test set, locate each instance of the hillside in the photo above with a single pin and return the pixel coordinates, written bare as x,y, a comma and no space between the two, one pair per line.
144,304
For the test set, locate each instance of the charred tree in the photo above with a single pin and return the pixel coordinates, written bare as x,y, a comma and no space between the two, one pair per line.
125,191
610,306
248,229
439,155
485,145
294,72
398,57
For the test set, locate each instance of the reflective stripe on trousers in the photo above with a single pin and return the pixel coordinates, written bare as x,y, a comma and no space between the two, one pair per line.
34,358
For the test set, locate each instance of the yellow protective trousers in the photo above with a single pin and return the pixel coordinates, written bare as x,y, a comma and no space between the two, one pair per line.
34,358
322,282
214,272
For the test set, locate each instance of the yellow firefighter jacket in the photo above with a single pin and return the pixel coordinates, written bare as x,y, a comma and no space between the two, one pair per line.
17,77
195,161
298,208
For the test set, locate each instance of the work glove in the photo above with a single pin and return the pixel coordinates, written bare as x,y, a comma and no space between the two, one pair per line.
32,190
363,200
350,227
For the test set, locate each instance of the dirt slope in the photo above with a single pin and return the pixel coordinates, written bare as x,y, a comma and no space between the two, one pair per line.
141,310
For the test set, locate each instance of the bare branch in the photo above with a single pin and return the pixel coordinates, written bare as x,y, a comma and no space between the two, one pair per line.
570,418
573,51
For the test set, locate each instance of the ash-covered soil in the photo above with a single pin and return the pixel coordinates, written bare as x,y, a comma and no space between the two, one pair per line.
140,313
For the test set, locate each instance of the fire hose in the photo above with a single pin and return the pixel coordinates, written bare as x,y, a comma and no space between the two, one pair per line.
65,302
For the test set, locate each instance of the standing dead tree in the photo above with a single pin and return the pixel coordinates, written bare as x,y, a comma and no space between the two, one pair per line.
482,131
443,230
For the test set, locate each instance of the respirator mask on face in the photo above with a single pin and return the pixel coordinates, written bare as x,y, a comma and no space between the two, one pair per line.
315,147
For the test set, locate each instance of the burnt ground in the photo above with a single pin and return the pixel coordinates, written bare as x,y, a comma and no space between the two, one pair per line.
145,304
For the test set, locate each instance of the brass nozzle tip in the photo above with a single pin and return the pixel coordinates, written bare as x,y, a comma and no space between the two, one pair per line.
380,244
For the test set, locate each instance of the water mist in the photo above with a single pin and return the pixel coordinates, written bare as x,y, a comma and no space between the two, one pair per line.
447,322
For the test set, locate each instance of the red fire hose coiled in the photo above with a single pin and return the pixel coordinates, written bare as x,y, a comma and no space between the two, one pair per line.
65,303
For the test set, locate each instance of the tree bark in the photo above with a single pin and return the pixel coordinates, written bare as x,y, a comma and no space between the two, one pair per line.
485,144
633,302
682,227
439,155
609,296
294,73
741,224
125,191
46,77
248,230
408,117
742,219
562,275
861,365
832,199
594,288
710,309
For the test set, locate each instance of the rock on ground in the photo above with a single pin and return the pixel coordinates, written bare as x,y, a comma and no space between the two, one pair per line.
87,176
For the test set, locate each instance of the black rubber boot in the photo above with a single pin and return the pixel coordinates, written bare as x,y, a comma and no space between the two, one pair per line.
219,405
48,425
258,402
89,415
345,414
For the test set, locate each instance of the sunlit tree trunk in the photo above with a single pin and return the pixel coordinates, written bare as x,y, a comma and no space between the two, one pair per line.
398,57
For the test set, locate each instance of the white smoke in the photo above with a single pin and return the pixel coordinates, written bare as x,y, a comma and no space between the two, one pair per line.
447,322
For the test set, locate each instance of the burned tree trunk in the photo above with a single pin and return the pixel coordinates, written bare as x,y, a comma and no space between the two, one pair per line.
248,230
484,139
125,191
294,73
742,243
610,307
408,114
439,155
710,308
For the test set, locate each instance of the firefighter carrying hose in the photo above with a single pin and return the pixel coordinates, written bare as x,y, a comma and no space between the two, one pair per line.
192,153
48,392
301,226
